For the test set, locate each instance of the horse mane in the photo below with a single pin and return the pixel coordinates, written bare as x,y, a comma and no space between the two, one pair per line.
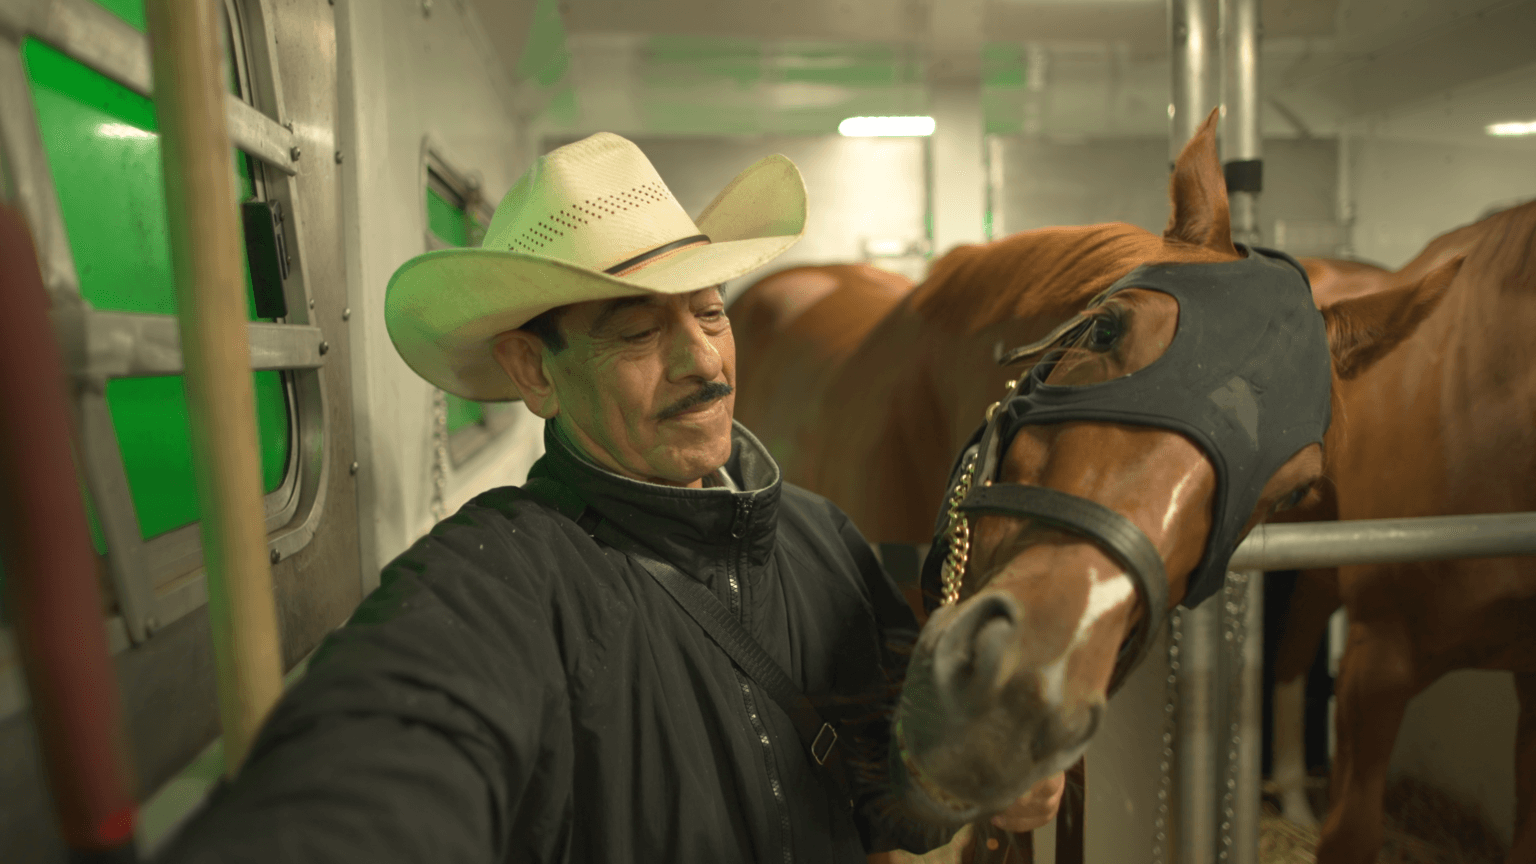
1504,252
1023,275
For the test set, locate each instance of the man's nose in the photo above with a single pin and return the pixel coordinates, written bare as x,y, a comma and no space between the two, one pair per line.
693,354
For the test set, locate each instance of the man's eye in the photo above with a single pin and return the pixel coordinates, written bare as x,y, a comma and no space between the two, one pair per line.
641,336
712,314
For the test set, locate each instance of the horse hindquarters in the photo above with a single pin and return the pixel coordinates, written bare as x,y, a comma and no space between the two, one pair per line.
1376,680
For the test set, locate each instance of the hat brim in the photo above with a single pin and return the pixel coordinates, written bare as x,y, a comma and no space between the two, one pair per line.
443,308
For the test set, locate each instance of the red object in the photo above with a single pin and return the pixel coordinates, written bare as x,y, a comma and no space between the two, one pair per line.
50,567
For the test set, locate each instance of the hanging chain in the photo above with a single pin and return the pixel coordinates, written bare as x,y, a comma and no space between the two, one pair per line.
1234,634
1170,726
959,534
439,506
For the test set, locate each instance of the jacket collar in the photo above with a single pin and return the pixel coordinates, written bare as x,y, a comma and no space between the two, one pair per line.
692,528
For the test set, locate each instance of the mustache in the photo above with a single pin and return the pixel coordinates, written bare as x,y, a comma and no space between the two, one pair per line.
708,393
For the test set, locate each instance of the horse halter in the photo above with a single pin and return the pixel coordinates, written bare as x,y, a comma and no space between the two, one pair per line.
1247,377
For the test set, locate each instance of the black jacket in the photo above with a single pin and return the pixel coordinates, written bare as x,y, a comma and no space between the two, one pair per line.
517,691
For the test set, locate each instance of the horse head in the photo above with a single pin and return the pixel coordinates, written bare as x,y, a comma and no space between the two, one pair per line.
1135,502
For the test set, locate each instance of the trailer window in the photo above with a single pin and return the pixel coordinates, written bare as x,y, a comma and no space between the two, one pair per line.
456,216
104,156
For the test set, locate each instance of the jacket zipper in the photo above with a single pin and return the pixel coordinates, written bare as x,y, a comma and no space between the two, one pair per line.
733,596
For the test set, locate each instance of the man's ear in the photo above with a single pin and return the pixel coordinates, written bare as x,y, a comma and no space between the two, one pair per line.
521,355
1364,328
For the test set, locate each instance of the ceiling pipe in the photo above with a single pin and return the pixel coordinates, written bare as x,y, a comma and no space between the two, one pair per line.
1196,57
1242,135
206,250
1194,49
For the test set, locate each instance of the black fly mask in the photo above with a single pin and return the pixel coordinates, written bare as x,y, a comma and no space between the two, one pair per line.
1247,377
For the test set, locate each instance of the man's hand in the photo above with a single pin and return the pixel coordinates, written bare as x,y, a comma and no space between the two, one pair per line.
949,853
1035,808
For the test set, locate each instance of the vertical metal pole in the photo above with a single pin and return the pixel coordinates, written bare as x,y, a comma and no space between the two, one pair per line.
1193,49
1242,662
1242,136
206,245
1197,734
1193,44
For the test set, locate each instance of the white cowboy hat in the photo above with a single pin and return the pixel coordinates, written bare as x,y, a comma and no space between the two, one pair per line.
589,221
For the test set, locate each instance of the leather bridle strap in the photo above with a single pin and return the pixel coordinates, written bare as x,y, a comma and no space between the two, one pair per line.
1114,533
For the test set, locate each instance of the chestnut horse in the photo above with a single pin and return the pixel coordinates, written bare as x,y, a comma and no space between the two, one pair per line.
1455,404
865,391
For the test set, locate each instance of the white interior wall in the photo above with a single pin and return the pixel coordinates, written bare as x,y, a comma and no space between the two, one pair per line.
409,69
1069,181
1406,192
858,189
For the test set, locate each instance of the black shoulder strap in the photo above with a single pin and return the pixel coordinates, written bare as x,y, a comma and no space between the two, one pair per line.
714,619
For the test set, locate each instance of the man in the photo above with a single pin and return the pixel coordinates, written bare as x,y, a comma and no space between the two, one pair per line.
523,686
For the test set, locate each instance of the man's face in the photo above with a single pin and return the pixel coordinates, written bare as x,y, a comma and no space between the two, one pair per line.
645,385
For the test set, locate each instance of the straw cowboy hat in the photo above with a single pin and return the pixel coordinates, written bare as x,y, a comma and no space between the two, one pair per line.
589,221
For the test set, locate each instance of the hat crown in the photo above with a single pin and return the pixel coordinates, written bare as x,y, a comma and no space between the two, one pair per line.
594,203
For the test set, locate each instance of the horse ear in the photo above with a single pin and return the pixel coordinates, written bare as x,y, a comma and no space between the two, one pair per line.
1198,189
1362,329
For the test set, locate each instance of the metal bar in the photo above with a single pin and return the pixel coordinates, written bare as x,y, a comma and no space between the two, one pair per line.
108,483
1385,541
134,345
1242,136
206,248
261,136
1197,734
1192,40
27,182
87,32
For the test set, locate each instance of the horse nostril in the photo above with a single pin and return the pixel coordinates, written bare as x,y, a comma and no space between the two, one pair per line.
1062,733
976,652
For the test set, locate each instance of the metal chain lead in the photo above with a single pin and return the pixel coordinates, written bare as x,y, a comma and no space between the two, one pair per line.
1170,727
953,572
1234,633
439,506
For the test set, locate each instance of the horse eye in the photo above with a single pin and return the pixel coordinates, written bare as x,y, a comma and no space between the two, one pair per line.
1296,497
1104,332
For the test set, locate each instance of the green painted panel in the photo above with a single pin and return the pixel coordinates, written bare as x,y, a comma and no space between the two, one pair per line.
446,220
150,416
463,412
131,11
103,152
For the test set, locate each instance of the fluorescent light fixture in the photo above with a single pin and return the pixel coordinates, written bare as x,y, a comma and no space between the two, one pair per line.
880,127
1510,130
121,130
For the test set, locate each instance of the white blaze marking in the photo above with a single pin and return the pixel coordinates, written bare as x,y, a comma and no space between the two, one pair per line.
1103,596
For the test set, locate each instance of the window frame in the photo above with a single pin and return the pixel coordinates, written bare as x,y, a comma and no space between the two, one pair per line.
441,173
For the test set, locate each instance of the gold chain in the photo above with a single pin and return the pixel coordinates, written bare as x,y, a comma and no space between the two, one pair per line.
959,535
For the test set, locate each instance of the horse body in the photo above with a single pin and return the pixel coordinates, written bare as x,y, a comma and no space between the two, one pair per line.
865,389
1443,425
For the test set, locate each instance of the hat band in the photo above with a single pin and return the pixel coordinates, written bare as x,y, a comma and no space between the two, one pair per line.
663,249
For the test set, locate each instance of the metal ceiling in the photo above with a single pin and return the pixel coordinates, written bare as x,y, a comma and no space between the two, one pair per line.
1058,68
